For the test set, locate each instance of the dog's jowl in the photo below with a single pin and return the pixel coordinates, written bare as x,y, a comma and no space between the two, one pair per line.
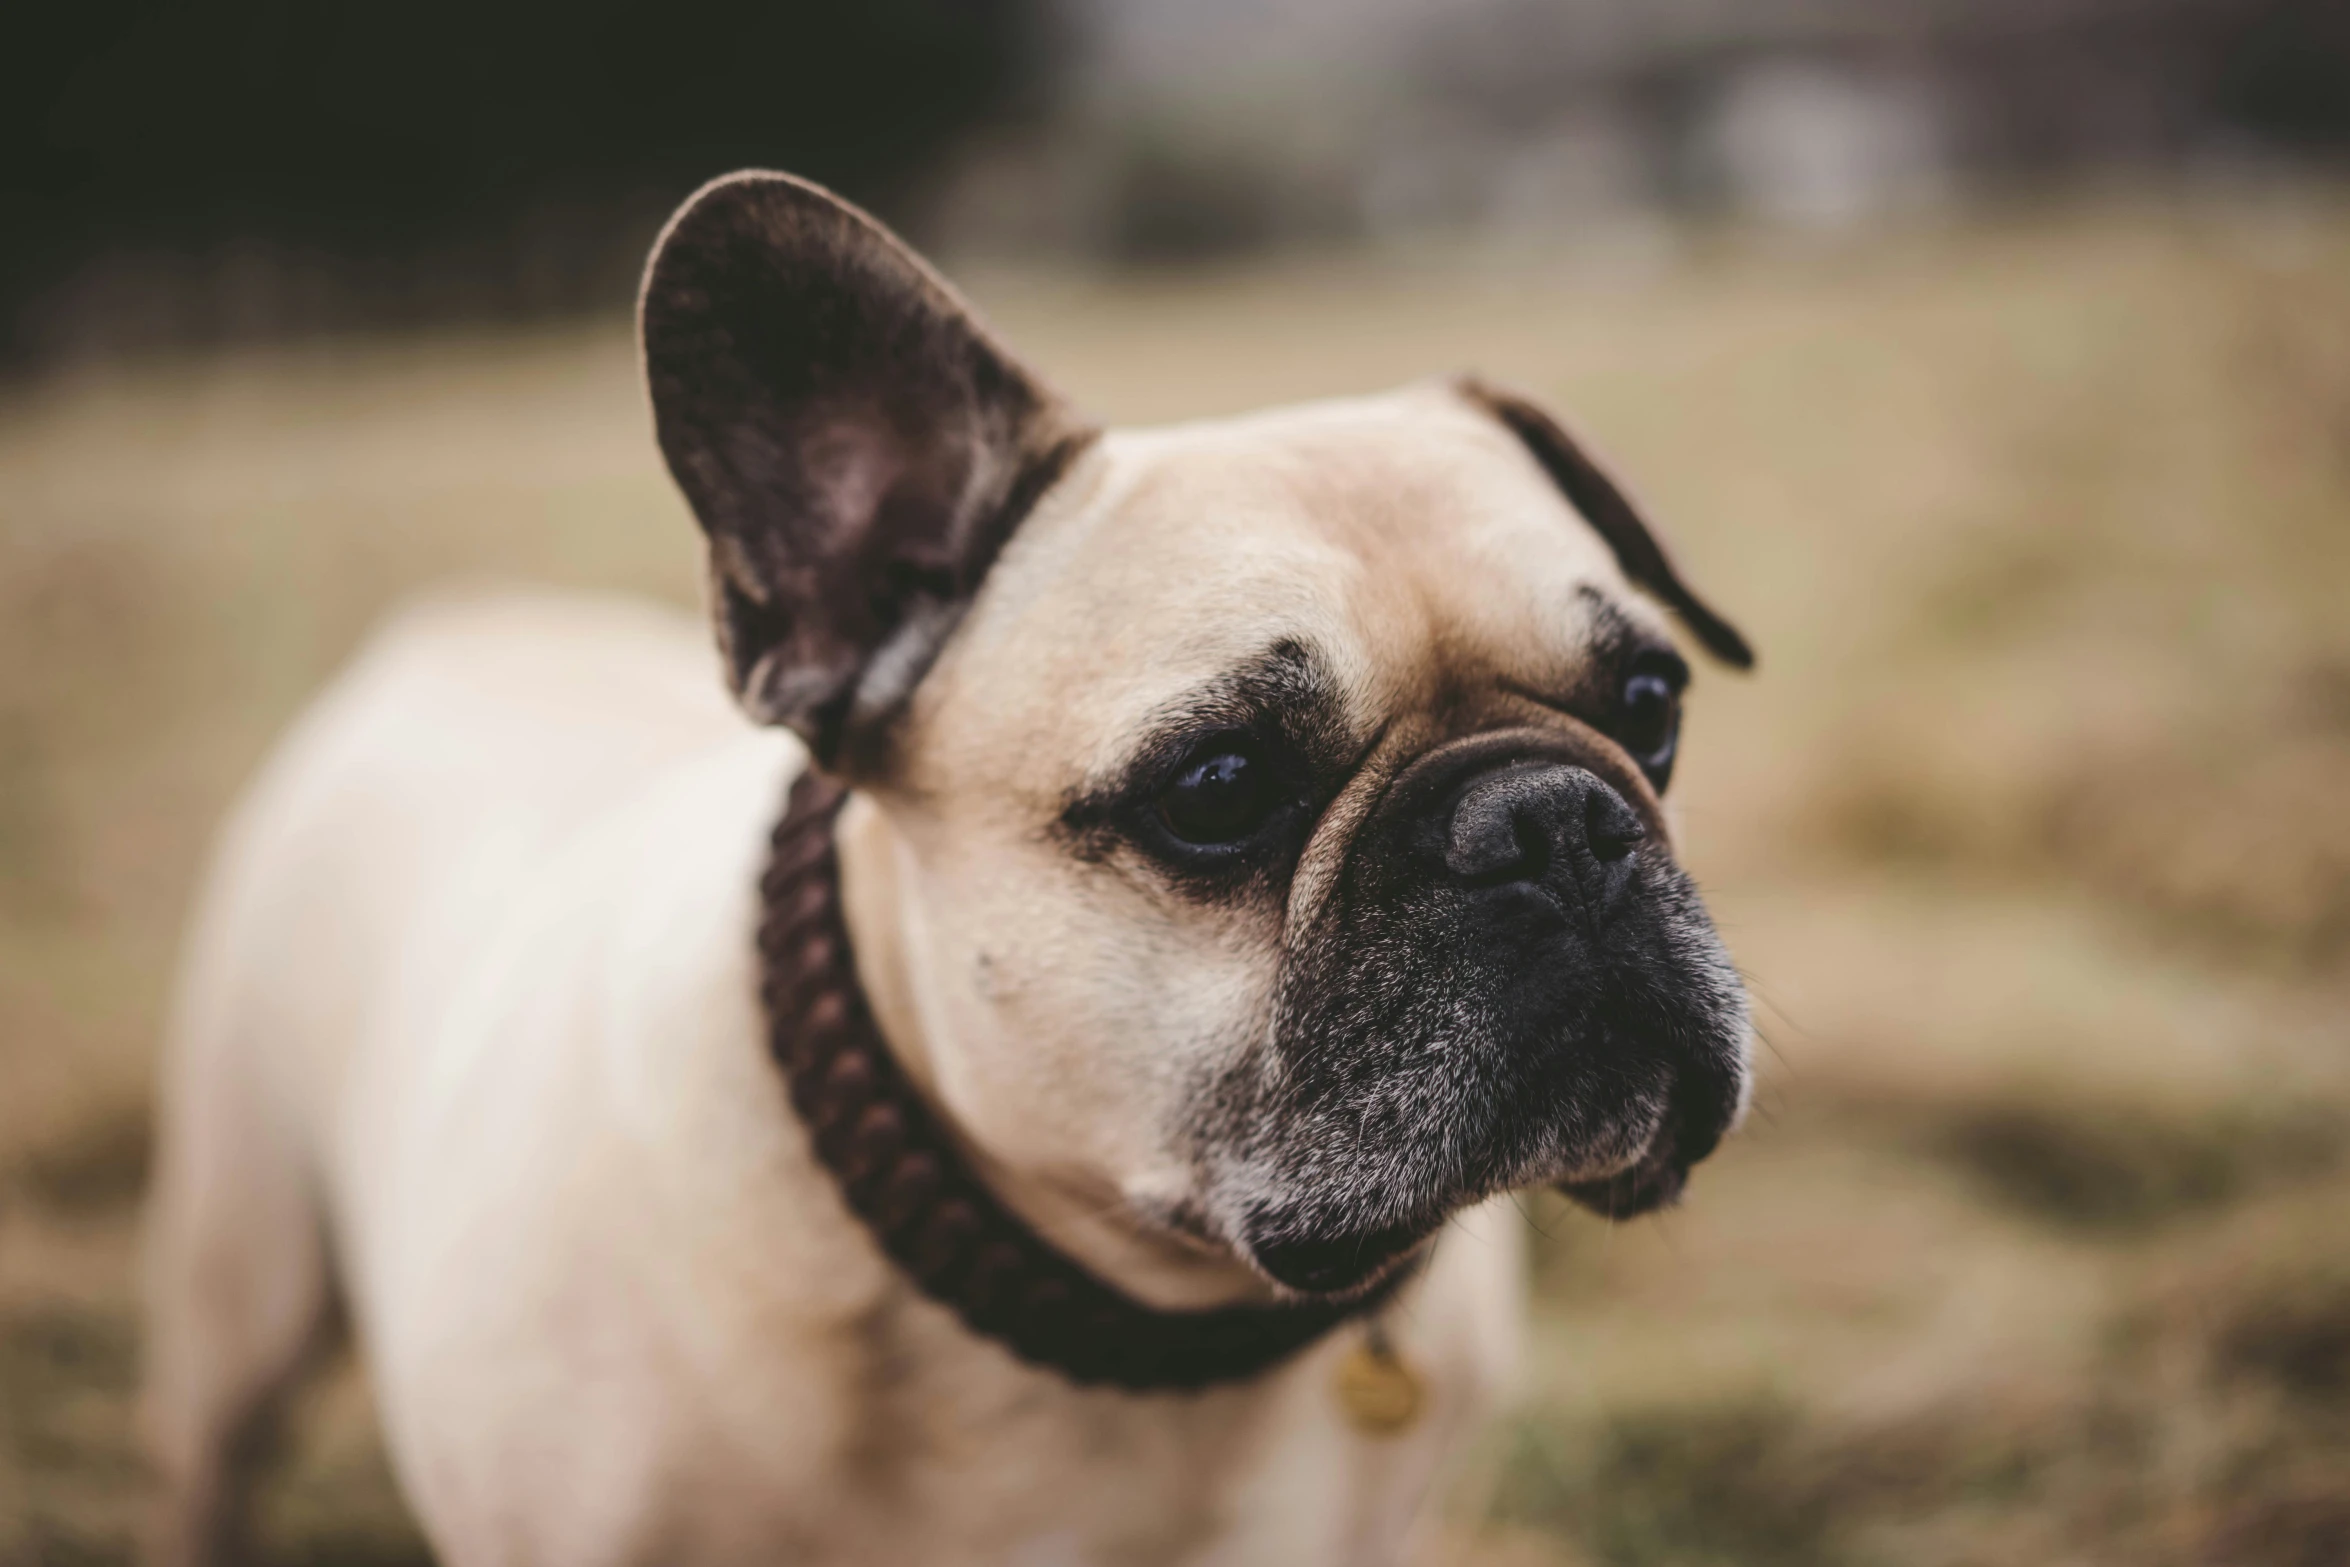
1043,1088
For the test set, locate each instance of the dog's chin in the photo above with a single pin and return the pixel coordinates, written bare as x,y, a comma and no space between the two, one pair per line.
1342,1264
1337,1267
1348,1265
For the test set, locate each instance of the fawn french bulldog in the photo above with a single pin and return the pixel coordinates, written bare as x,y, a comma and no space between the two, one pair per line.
1047,1091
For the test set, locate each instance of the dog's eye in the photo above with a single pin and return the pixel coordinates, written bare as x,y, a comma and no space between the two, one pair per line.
1223,793
1648,723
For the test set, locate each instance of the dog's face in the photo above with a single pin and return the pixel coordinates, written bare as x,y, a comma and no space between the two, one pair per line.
1274,804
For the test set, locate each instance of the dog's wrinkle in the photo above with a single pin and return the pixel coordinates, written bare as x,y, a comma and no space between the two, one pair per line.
1396,1088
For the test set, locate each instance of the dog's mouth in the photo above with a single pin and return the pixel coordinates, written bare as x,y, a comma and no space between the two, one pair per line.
1704,1107
1338,1265
1336,1259
1656,1180
1348,1262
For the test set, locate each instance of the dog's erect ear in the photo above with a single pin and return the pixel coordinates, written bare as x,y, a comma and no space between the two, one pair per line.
854,443
1611,514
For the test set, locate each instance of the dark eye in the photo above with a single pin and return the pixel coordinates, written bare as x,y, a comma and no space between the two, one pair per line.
1223,793
1648,723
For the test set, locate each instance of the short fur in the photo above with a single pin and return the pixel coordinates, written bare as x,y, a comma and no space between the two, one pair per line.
470,1027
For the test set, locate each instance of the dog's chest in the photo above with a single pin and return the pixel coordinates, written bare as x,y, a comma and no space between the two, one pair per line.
1016,1464
954,1453
618,1313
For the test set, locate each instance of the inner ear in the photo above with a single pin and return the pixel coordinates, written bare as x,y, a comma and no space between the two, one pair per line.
854,443
1603,504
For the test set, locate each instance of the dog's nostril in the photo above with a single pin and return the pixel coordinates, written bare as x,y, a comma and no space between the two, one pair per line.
1517,823
1611,827
1533,845
1498,832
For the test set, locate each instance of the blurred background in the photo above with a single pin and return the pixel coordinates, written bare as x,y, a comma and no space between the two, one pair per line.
1989,360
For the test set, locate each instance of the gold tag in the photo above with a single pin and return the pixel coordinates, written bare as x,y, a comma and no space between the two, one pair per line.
1381,1394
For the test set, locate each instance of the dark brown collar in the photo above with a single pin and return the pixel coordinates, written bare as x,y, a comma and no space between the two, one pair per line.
900,1173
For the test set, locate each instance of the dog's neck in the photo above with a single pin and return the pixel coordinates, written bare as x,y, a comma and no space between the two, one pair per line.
1083,1214
902,1168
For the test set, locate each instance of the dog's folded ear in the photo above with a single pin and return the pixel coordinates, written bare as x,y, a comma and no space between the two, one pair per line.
854,443
1611,514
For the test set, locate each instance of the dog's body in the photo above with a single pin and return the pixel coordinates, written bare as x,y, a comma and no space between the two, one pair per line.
472,1022
495,900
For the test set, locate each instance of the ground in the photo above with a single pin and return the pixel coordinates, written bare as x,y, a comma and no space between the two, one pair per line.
2032,834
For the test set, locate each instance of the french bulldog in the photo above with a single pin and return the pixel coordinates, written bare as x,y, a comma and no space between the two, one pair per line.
1046,1092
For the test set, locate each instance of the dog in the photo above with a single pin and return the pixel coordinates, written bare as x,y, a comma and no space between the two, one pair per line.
1049,1090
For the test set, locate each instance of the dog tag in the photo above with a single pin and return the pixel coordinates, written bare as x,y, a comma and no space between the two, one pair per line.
1377,1387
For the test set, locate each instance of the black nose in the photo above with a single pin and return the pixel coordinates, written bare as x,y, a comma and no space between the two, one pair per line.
1549,824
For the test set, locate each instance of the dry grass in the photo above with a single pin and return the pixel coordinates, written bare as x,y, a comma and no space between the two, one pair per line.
2034,835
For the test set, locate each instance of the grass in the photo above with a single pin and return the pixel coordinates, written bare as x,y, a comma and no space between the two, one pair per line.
2117,1167
2033,835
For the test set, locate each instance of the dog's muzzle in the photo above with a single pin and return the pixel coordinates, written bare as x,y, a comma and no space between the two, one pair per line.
1517,986
1545,843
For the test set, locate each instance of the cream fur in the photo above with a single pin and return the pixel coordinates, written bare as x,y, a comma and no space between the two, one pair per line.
470,997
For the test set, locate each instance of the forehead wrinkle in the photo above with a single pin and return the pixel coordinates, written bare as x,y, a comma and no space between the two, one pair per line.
1185,576
1212,564
1410,490
1450,676
1407,541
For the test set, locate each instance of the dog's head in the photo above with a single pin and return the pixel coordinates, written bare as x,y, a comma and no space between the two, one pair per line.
1272,806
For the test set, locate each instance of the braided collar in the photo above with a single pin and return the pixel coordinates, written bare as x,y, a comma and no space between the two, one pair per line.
902,1175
